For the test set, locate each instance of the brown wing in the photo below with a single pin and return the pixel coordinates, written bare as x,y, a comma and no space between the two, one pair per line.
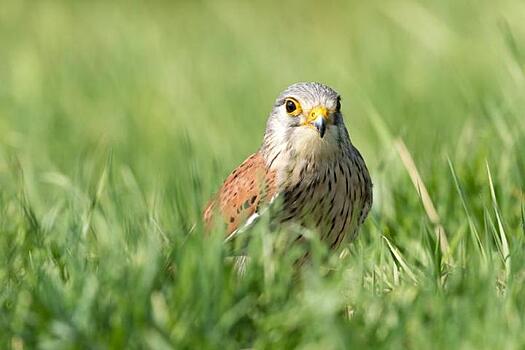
247,188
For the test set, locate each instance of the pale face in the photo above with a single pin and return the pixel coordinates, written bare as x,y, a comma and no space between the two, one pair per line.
307,118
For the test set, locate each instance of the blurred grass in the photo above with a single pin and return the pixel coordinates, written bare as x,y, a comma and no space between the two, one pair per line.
118,120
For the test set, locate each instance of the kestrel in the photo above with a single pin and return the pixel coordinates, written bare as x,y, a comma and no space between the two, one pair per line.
308,162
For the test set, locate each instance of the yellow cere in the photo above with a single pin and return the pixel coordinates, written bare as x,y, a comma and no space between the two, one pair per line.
316,112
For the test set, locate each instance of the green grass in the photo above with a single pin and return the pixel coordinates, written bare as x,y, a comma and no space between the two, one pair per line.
119,120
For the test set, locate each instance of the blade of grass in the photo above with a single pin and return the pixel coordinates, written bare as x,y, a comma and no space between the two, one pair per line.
503,243
428,205
472,225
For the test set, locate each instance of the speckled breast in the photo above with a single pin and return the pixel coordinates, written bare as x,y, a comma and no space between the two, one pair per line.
332,198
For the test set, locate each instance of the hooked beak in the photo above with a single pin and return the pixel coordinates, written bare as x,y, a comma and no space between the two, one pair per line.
317,118
320,125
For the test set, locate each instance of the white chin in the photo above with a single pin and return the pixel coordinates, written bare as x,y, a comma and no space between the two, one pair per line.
307,141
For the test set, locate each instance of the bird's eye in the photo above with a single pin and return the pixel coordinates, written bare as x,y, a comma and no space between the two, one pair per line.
338,106
292,107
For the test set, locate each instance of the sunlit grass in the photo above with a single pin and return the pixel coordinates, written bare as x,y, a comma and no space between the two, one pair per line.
119,120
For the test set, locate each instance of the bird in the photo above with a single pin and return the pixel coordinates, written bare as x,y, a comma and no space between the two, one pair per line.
307,164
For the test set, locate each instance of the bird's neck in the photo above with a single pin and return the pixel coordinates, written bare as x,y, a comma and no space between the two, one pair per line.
292,154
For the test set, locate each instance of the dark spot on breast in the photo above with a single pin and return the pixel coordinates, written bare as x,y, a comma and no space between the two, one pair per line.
360,214
297,196
337,240
333,224
287,197
298,238
347,215
329,185
232,219
310,189
360,167
349,170
288,218
254,198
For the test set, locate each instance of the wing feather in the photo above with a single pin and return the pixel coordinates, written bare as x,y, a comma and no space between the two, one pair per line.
247,189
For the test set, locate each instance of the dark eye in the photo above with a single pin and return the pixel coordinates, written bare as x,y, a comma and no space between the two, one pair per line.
338,106
291,106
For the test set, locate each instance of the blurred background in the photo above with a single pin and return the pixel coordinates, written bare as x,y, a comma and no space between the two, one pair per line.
169,84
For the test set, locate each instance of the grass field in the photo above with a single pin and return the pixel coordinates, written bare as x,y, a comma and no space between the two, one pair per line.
119,119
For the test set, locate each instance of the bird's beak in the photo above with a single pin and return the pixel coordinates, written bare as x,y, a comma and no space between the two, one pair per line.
317,118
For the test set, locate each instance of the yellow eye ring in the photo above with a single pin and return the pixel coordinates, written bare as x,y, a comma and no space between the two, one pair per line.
293,107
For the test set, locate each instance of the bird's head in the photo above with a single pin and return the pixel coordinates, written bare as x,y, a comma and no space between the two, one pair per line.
306,118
